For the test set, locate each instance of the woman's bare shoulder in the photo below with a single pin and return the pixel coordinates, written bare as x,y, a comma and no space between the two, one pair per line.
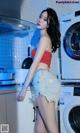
46,40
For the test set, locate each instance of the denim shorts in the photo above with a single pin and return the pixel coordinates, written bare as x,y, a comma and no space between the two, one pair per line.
46,84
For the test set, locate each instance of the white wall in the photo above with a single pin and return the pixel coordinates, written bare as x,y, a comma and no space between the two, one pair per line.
32,8
63,9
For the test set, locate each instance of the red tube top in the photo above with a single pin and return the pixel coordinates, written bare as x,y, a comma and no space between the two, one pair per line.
46,58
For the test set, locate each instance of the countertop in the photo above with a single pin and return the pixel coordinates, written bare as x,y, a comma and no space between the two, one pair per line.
10,89
14,85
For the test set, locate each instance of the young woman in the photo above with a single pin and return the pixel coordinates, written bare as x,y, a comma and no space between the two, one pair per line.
45,87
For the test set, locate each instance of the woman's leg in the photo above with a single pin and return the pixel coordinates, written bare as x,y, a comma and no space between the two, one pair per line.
39,125
48,113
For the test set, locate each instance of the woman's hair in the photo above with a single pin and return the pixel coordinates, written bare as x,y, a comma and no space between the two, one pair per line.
53,29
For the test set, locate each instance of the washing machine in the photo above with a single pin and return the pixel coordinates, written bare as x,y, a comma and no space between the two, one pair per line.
69,53
69,109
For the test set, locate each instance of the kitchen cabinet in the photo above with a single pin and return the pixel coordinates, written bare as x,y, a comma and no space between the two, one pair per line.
19,115
2,109
8,8
25,115
11,112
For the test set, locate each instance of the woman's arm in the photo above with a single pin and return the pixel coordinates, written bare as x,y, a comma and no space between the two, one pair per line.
39,53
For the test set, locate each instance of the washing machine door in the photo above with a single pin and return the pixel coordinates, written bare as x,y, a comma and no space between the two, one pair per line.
71,115
71,41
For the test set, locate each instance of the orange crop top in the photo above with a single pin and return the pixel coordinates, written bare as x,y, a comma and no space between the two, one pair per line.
46,58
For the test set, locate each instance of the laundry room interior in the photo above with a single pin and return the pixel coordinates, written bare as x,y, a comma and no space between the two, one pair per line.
18,24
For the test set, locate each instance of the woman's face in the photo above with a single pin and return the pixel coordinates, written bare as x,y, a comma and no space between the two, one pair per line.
42,22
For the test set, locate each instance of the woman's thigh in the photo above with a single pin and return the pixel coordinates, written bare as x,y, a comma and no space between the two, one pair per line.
39,124
48,113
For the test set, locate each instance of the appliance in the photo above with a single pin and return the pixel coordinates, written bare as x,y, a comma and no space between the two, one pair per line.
69,53
69,109
15,39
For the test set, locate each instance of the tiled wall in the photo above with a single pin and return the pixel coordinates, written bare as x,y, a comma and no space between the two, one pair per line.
14,48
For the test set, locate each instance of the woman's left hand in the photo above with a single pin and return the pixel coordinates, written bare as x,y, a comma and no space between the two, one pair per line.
21,94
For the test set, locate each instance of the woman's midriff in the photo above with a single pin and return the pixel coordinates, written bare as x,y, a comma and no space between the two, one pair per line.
43,66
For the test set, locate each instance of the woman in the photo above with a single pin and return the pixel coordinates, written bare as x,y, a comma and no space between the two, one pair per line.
45,87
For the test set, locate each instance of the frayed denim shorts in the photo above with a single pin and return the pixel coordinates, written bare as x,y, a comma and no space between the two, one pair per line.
46,84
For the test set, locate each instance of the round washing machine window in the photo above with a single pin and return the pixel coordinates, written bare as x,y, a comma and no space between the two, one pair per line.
71,116
71,41
74,118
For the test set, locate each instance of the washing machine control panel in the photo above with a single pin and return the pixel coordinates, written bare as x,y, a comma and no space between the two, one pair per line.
70,91
76,91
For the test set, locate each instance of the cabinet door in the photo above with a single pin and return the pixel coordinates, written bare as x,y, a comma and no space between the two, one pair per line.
11,112
20,114
25,115
2,110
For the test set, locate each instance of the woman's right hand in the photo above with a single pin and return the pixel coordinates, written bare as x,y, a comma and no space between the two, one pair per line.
21,94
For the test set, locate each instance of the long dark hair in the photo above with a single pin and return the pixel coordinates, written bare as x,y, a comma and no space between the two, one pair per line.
53,29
